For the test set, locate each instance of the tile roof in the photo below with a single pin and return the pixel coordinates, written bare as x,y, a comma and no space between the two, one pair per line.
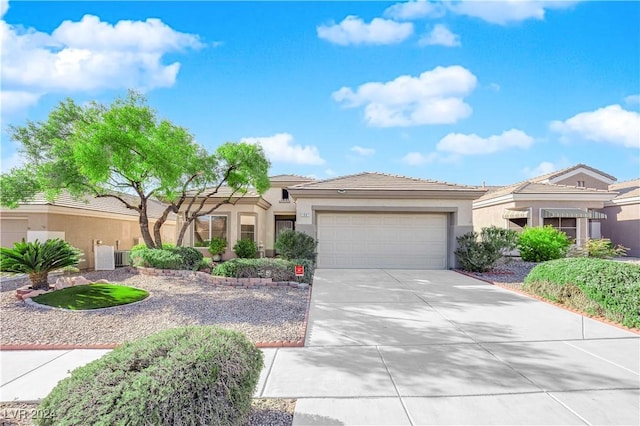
528,187
290,178
382,181
102,204
626,189
226,191
561,172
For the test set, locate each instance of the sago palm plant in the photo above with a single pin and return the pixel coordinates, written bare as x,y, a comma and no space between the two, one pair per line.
38,259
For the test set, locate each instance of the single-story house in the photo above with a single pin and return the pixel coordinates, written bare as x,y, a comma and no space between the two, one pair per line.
83,223
623,216
366,220
572,200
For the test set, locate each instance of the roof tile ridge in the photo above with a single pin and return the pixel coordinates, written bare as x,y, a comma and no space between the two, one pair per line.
442,182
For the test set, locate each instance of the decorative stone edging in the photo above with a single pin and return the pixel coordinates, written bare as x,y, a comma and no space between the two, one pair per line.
206,278
559,305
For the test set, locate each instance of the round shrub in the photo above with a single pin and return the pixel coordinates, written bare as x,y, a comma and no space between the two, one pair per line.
190,258
296,245
245,249
183,376
540,244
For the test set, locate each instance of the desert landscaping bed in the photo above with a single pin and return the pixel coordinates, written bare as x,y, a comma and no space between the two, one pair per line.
264,314
272,412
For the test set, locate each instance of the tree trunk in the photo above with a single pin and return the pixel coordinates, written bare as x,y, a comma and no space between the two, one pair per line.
39,280
144,225
183,231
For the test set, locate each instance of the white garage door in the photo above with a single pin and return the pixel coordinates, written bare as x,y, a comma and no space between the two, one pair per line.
382,240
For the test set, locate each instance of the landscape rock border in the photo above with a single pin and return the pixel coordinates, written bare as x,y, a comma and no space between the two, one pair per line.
206,278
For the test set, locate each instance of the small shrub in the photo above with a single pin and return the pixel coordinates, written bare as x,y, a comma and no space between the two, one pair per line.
217,246
296,245
276,269
173,257
480,252
38,259
245,249
205,264
143,246
614,286
182,376
189,257
156,258
603,248
542,243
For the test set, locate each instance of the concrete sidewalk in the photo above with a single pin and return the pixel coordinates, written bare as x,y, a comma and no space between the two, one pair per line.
423,347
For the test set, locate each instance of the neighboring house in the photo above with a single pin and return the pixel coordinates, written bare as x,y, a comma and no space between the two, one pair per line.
571,200
368,220
82,223
623,216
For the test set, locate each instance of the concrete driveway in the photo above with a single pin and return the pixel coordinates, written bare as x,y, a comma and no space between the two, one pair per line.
436,347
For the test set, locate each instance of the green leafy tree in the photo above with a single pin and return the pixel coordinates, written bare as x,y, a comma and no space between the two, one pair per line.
38,259
123,151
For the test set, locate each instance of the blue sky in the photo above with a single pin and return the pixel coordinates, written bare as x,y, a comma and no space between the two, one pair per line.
460,91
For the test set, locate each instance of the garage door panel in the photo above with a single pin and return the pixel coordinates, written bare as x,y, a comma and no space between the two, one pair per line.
388,240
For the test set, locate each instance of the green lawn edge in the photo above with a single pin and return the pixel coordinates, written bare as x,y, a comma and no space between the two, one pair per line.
92,296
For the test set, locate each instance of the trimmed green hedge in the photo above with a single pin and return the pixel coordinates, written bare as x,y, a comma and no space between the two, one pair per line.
168,258
613,286
276,269
183,376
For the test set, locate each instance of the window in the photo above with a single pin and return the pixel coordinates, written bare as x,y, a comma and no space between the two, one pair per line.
580,184
248,228
568,225
285,195
518,224
207,227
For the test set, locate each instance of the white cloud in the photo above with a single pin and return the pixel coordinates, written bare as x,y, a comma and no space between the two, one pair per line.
507,11
279,148
632,99
329,172
13,101
415,10
353,30
365,152
541,169
8,163
611,124
90,55
475,145
440,35
418,159
434,97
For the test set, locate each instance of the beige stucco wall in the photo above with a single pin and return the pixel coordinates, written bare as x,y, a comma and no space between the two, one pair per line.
278,207
81,230
233,213
460,213
589,181
623,226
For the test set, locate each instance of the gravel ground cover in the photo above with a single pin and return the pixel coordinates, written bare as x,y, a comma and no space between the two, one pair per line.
264,314
508,272
265,412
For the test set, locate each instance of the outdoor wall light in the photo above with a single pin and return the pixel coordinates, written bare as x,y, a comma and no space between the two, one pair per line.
341,191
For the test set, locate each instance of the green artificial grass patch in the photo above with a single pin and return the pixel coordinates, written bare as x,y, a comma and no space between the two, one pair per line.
92,296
